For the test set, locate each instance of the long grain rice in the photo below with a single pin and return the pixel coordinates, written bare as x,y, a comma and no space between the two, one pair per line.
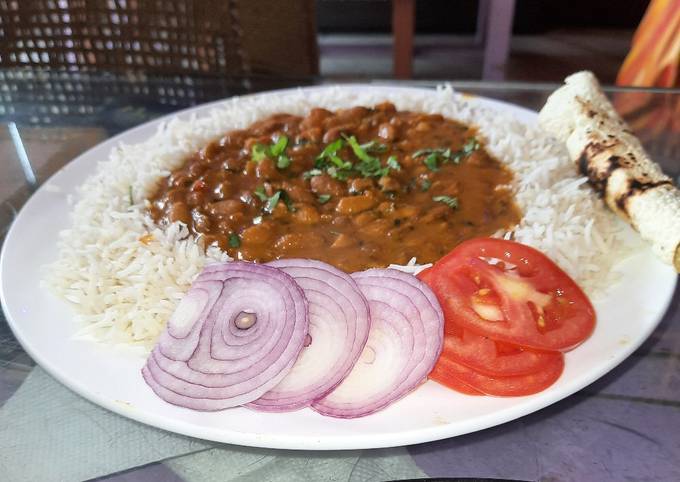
124,276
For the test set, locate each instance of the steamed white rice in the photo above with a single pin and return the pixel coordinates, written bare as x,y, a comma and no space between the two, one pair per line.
124,276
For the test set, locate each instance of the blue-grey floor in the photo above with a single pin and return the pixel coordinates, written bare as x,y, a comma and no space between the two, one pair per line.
542,58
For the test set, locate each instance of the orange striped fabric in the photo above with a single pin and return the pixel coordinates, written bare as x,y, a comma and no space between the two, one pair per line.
654,56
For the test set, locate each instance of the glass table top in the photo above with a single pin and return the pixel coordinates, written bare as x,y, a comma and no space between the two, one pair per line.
624,426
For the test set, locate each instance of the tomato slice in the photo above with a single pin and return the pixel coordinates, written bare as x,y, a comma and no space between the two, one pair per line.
484,355
525,299
440,374
452,374
494,358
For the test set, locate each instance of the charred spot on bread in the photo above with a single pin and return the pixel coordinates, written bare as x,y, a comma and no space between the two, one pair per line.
636,187
641,186
599,177
593,148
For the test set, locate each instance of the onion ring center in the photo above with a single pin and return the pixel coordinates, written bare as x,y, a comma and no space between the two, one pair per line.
245,320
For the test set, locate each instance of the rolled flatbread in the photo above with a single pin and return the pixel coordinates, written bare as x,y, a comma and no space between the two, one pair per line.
616,164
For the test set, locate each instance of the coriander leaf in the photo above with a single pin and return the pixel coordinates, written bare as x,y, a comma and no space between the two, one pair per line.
312,173
374,146
234,240
258,152
336,173
287,201
283,161
425,185
339,163
446,155
259,192
330,153
451,202
471,145
272,202
431,162
279,146
422,152
393,163
372,168
324,198
357,149
331,148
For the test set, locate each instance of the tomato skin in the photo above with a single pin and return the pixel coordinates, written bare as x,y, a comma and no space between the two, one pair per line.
448,372
441,375
569,317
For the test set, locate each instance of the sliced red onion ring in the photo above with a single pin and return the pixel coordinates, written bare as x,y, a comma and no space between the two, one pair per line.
404,342
339,324
235,335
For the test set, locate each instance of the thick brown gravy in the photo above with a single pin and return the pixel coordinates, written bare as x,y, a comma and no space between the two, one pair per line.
292,186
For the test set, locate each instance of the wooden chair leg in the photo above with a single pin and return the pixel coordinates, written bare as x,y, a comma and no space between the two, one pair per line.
403,22
498,34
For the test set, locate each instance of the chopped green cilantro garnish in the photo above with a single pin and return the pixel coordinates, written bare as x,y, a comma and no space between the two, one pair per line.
272,202
279,146
276,151
324,198
283,161
234,240
423,152
431,162
374,146
312,173
338,168
357,149
369,166
258,152
330,150
287,201
445,153
336,173
331,162
437,155
339,163
425,185
259,192
372,168
471,145
451,202
393,163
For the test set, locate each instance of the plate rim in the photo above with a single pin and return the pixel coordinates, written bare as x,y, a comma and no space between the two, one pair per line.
297,442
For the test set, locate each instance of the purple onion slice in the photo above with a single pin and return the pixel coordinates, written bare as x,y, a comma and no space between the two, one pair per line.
339,324
405,340
235,335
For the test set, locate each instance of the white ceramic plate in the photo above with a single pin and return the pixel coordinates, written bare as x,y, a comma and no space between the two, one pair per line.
110,377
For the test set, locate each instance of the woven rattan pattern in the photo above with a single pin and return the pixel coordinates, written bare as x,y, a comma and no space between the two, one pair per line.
229,37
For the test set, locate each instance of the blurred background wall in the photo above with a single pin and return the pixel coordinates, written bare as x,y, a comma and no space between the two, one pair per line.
550,39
